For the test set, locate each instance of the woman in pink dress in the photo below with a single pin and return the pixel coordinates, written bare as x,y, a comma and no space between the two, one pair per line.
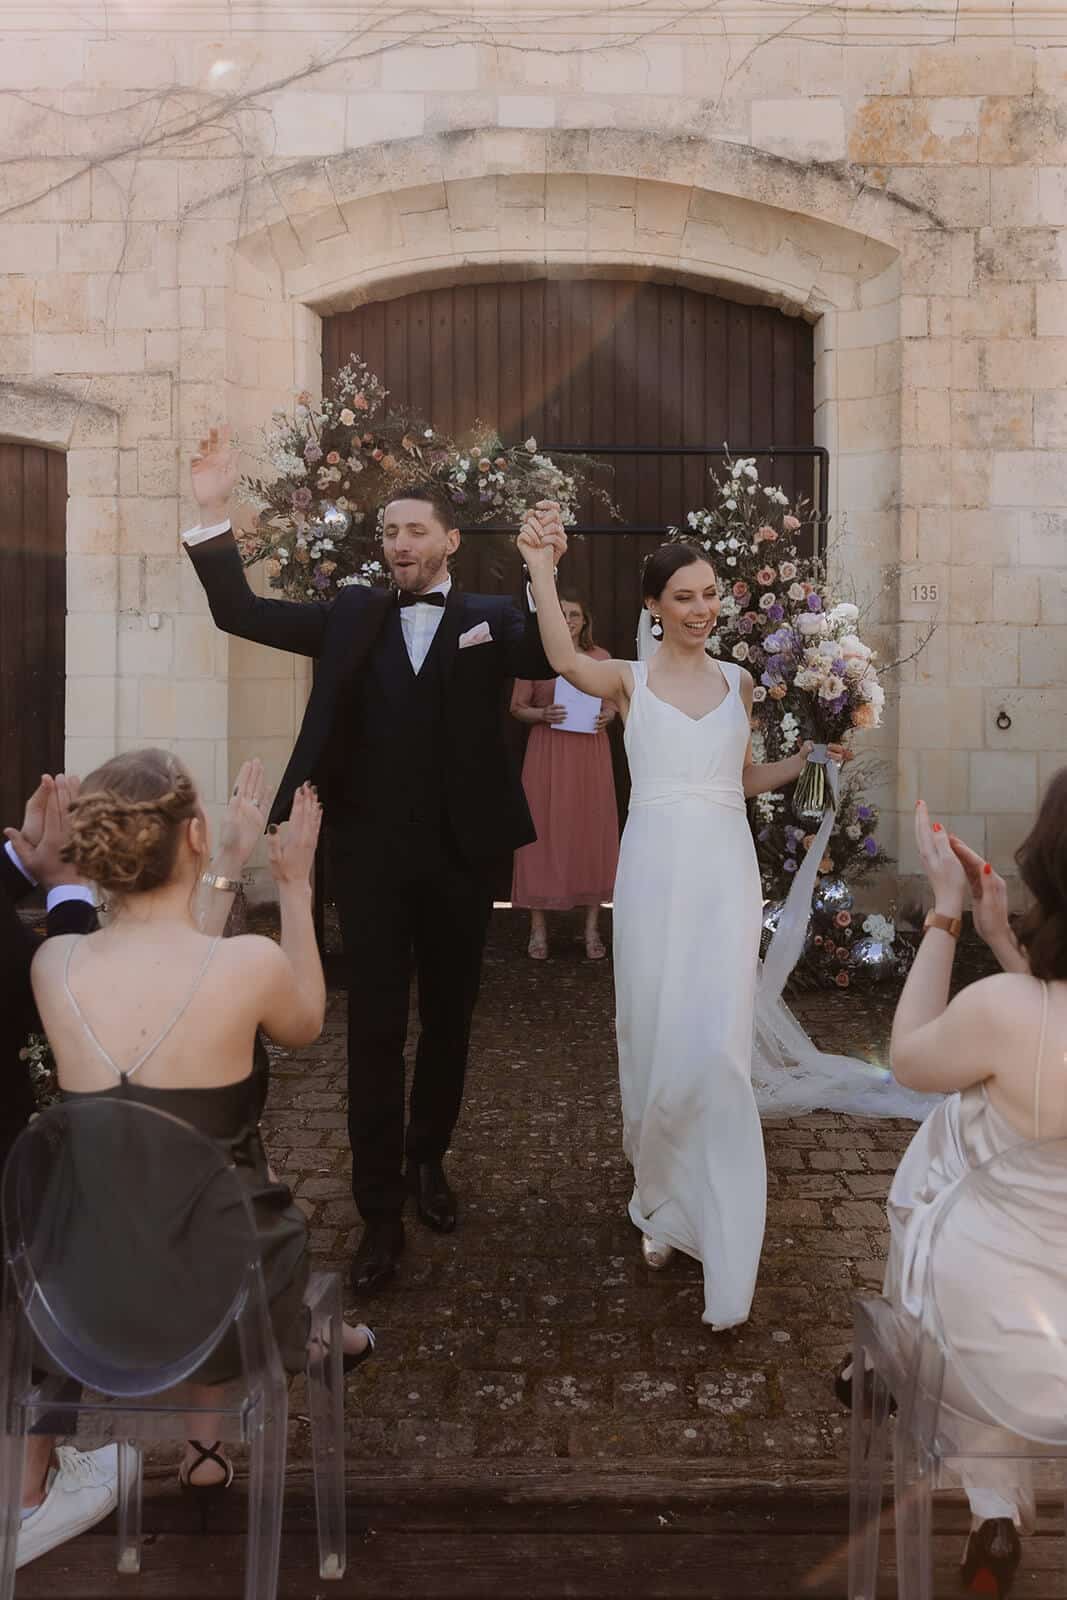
571,791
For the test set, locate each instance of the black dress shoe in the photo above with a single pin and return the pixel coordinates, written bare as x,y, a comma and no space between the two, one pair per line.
380,1248
991,1558
435,1201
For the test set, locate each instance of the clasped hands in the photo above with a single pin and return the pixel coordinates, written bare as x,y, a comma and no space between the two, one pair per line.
953,870
542,537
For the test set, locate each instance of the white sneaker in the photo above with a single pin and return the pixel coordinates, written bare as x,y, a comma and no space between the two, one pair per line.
82,1492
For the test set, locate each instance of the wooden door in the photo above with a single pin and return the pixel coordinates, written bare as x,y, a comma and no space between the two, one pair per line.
587,362
33,611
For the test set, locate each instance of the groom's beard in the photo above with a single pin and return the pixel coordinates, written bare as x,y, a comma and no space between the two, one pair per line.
417,576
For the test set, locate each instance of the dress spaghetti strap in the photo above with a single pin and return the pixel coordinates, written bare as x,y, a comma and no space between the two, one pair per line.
122,1076
1040,1057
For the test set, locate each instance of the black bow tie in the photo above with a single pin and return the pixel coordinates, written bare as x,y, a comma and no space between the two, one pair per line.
404,598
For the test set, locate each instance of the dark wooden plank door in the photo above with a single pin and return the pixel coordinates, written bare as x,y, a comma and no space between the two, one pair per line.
33,612
594,361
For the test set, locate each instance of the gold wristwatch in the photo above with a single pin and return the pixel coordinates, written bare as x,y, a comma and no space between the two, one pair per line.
212,880
937,919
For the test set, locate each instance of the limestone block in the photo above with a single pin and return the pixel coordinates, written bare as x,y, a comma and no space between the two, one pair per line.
16,354
90,706
1016,597
92,472
1001,419
86,754
202,758
1004,835
611,227
1042,654
983,538
158,465
88,353
91,644
971,478
160,582
970,595
926,477
1051,321
412,68
1001,311
956,196
944,780
1038,719
521,227
156,711
1017,131
1003,780
260,711
92,583
371,118
1052,588
195,640
215,185
984,654
162,351
203,253
1050,420
868,424
654,67
127,472
1018,255
148,526
59,302
926,262
100,247
145,190
92,525
867,481
29,247
897,130
526,111
937,716
202,353
530,68
1030,478
1052,194
933,534
307,123
927,364
141,404
662,208
276,372
932,421
914,317
802,128
1015,196
1042,539
1025,363
201,707
962,68
145,651
1049,763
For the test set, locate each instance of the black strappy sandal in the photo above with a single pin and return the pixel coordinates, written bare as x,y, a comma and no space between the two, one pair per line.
205,1493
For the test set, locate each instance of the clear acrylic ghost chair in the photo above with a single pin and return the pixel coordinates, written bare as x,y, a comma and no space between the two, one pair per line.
130,1256
979,1376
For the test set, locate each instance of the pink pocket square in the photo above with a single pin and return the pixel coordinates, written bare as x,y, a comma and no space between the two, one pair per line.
479,634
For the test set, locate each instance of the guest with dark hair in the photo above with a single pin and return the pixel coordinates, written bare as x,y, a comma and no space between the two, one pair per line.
571,791
998,1052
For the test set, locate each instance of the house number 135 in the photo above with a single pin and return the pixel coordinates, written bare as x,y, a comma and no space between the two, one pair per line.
924,593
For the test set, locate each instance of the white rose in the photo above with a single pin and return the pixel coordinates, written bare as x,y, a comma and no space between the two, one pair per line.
845,612
854,831
796,591
740,651
811,624
759,694
832,687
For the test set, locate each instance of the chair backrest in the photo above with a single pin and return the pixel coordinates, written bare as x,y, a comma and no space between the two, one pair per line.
995,1296
129,1242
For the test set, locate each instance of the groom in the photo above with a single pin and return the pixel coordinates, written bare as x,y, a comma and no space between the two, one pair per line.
403,737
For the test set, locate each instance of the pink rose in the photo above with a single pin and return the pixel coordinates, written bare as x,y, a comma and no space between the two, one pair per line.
333,458
843,919
791,524
765,534
740,591
360,403
787,571
765,576
841,979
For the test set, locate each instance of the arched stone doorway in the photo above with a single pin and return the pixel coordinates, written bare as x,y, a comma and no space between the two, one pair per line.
579,362
33,614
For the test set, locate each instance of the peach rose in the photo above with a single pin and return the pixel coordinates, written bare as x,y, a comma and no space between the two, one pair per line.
740,590
347,417
765,534
864,716
332,459
791,524
777,691
360,402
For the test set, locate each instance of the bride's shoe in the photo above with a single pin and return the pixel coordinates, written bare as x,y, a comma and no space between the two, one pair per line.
537,949
656,1255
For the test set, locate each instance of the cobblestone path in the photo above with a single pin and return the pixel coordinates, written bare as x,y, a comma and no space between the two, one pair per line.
535,1333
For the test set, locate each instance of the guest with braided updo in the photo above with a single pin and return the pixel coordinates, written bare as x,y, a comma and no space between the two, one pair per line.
155,1008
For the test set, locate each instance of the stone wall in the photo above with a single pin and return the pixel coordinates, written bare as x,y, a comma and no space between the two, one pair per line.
191,193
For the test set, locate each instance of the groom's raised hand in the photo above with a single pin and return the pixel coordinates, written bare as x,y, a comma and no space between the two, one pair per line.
550,519
214,473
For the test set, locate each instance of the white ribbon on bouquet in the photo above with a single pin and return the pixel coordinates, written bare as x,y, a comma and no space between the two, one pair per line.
790,1074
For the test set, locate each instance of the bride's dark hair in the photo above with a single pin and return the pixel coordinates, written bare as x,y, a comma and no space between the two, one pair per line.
662,564
1042,863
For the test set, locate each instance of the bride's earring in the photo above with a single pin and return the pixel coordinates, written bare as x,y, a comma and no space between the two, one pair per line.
657,627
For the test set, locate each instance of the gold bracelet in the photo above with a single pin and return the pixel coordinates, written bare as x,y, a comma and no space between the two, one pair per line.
212,880
937,919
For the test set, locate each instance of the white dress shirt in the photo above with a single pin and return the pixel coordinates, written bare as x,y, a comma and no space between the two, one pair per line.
56,896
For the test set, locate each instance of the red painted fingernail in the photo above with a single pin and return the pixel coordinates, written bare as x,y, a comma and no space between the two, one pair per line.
987,869
937,827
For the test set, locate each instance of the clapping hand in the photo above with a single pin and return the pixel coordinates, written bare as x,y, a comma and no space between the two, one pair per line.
940,862
291,848
214,472
989,895
45,830
245,819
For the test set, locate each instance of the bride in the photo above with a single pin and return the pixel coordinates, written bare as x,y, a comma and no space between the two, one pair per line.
688,913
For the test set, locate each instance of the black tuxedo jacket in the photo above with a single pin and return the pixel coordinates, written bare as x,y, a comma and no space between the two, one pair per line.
484,799
18,1013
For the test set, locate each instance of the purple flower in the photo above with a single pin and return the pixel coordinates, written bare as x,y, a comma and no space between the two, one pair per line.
865,813
745,625
763,835
814,602
870,845
301,499
775,613
780,640
790,866
320,581
839,668
312,452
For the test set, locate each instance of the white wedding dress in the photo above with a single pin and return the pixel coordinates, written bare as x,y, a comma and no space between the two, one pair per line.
694,1041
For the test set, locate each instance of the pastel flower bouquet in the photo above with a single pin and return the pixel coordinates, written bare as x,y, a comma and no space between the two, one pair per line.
815,678
336,462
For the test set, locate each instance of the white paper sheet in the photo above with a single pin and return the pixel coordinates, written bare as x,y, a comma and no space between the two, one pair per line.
582,709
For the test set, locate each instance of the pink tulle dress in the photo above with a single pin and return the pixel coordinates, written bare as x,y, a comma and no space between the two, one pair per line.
571,792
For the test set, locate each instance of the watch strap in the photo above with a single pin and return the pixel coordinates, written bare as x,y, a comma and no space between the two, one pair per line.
213,880
937,919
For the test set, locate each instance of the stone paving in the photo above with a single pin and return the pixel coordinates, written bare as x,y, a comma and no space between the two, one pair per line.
535,1331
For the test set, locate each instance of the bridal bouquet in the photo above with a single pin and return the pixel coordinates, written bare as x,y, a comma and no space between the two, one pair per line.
815,678
336,463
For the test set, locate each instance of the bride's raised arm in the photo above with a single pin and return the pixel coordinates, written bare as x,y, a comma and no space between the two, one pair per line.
607,680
